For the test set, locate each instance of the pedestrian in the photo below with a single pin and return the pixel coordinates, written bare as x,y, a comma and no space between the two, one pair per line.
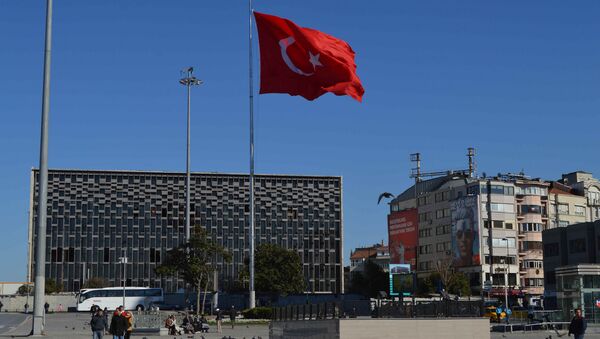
26,308
60,308
129,316
46,307
98,325
232,316
1,304
219,320
118,325
578,325
105,313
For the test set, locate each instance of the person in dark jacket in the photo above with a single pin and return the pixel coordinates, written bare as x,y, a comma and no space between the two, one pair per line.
118,325
578,325
98,325
46,307
232,314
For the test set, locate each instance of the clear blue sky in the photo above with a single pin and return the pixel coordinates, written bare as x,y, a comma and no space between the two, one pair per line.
520,81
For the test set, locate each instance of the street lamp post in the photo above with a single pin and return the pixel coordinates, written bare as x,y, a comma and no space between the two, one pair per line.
188,81
123,260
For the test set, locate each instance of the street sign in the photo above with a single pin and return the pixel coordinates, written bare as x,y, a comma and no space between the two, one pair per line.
487,285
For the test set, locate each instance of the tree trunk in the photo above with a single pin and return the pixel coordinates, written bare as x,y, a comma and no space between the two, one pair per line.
198,289
204,296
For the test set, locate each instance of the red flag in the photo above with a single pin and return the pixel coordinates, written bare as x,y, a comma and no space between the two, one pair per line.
303,61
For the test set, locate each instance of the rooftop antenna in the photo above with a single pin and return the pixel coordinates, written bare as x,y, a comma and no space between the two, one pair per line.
471,155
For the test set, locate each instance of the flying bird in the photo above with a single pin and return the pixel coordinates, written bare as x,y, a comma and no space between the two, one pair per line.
386,195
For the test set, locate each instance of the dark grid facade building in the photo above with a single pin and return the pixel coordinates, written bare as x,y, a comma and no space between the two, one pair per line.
93,216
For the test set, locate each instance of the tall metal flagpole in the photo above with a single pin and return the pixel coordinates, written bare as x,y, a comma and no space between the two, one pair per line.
188,81
40,251
252,297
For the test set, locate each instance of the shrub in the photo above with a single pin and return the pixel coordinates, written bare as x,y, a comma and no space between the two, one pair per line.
258,313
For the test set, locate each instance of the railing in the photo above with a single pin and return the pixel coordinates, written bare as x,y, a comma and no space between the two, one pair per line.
381,309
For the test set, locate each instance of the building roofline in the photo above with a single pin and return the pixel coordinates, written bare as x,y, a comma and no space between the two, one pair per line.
72,170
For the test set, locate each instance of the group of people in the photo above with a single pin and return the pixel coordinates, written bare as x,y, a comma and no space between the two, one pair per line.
192,324
121,324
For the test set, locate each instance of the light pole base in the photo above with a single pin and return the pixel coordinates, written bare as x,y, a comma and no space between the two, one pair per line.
252,300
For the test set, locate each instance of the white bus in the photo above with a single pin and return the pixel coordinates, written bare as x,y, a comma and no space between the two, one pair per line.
136,298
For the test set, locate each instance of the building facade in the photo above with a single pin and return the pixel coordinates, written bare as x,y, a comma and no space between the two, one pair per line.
584,184
95,217
570,253
454,228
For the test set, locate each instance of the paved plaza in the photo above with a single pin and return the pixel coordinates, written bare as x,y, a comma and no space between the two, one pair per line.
76,325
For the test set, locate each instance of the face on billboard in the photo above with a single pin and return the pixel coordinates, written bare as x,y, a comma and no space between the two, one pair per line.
465,232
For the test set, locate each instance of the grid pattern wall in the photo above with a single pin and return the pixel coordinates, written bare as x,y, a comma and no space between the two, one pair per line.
94,217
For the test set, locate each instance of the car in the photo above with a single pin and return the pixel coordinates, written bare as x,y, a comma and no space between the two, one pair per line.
161,306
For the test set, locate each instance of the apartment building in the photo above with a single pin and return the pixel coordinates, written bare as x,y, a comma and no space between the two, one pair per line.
584,184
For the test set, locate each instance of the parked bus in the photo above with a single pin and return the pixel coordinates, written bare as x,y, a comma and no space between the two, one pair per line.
136,298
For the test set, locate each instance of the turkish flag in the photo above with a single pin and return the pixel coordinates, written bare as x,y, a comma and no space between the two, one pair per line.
303,61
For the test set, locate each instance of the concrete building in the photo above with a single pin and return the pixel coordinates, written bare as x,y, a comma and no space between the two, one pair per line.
443,205
566,207
378,254
531,197
571,268
94,217
586,185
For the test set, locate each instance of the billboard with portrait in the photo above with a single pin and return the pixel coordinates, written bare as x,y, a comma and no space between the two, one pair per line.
465,231
402,236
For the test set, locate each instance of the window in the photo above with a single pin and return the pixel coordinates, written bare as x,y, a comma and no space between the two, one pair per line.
498,189
551,250
425,249
579,210
425,266
500,242
498,223
497,207
563,223
534,209
508,225
424,233
442,230
532,264
563,209
531,245
424,216
534,282
443,246
532,190
530,227
501,260
577,245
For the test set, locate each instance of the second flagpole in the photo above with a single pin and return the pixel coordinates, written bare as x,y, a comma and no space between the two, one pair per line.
252,296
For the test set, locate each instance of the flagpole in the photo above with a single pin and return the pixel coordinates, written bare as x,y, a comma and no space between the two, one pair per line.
40,250
252,296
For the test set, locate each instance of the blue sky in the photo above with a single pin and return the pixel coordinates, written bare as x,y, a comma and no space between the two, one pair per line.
520,81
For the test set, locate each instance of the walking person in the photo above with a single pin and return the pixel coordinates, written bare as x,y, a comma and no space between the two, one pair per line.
118,325
129,316
46,307
26,308
1,304
232,316
105,314
219,320
98,325
578,325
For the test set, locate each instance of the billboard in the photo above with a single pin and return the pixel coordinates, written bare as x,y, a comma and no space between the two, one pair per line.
401,280
465,231
402,237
